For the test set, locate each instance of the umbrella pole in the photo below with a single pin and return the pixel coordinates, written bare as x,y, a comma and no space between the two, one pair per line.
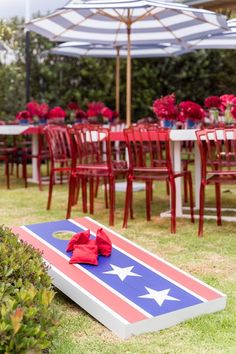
118,79
27,53
128,79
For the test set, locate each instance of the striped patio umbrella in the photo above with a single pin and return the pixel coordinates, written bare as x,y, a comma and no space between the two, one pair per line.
224,40
82,49
126,22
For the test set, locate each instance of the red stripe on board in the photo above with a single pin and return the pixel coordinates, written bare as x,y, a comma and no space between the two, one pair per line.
155,263
85,281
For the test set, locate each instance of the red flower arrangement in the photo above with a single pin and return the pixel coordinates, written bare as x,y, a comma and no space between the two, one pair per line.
107,113
165,108
56,115
43,110
24,117
191,110
94,109
98,113
37,110
227,101
80,115
33,108
233,111
73,106
212,102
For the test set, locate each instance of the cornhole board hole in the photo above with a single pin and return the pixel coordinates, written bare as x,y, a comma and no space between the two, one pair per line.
130,292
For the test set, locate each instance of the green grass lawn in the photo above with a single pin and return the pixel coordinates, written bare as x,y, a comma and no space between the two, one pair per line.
211,259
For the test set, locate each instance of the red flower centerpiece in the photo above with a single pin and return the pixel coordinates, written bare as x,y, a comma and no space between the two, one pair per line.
228,101
43,111
33,108
98,113
24,117
166,110
107,114
213,105
71,110
94,112
81,116
212,102
56,115
191,113
38,111
233,112
73,106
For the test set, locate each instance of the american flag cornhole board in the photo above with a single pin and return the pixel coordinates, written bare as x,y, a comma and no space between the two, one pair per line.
130,292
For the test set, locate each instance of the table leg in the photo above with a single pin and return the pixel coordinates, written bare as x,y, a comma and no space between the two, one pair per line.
197,163
35,150
176,158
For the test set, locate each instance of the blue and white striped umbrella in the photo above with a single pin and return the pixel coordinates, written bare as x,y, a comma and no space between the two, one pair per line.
122,22
80,49
107,22
225,40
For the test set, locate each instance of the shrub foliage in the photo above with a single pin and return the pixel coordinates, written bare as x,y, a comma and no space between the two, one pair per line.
27,316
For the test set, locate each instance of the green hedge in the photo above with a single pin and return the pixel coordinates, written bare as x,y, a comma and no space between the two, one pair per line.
27,316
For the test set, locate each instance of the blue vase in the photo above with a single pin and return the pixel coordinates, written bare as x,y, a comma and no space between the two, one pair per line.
191,124
42,121
78,121
168,123
24,122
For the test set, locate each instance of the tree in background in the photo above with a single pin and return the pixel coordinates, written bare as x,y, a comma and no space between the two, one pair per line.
59,80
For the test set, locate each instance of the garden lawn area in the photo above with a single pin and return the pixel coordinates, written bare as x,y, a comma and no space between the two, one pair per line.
211,259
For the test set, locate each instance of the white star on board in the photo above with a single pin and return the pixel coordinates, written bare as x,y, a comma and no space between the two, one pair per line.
158,296
122,273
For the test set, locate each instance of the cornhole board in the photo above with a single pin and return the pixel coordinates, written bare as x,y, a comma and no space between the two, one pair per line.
132,291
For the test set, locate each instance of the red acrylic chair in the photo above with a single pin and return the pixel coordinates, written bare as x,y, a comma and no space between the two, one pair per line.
6,155
10,155
150,160
92,160
218,165
58,140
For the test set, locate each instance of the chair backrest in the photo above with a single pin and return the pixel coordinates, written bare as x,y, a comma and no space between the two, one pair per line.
91,145
148,147
217,149
117,127
58,140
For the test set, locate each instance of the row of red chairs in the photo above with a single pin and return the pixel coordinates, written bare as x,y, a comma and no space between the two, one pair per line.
86,153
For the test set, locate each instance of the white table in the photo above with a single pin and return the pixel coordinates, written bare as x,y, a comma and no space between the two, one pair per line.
178,136
15,130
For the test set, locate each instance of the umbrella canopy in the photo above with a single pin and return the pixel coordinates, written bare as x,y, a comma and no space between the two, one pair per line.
225,40
107,22
123,22
74,49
